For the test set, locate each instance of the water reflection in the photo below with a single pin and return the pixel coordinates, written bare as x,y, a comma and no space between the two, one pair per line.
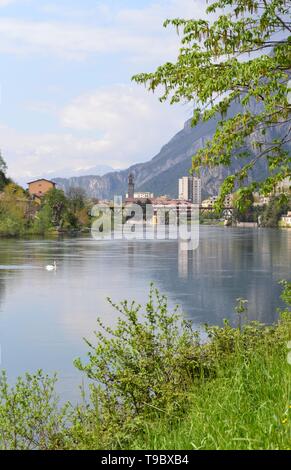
231,264
43,316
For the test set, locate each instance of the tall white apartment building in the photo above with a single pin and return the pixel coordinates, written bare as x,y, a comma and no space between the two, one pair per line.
190,189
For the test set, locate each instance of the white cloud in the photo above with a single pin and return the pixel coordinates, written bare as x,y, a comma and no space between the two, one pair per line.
130,126
117,125
153,16
133,123
135,31
76,42
3,3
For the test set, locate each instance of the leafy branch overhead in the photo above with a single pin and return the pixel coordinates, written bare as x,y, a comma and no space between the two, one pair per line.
241,54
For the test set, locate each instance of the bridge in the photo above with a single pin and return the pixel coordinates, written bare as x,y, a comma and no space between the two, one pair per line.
161,211
179,209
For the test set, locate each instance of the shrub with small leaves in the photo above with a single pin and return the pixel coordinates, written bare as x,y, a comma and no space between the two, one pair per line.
30,417
144,365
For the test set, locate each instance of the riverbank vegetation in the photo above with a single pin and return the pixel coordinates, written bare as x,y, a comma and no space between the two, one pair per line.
155,384
20,215
55,212
62,213
272,212
267,215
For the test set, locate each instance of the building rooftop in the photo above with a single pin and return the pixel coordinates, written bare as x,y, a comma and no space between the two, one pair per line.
41,179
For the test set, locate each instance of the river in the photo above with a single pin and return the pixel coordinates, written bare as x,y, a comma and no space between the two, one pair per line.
45,315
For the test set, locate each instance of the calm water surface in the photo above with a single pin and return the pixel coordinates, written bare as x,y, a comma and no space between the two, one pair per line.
44,315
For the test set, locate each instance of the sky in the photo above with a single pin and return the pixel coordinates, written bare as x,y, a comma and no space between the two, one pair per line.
67,100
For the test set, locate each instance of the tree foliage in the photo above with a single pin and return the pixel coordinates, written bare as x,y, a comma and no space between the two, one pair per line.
241,54
19,214
30,415
278,206
13,210
141,366
76,198
3,168
56,201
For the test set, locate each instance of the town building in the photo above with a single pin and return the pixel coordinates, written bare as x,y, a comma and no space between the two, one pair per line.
175,208
130,194
209,203
284,186
286,220
141,195
190,189
38,188
260,201
133,196
228,202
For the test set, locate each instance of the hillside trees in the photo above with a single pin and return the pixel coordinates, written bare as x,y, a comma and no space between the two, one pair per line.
3,168
61,211
13,210
56,204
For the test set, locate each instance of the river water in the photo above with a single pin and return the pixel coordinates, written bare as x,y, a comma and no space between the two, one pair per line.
45,315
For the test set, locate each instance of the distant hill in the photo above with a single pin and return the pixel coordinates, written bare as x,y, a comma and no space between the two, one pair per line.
160,175
98,170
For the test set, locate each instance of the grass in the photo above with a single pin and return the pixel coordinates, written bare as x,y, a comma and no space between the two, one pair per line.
157,386
248,406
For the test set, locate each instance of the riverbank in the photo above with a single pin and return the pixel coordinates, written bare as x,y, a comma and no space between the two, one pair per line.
162,387
50,233
215,222
247,406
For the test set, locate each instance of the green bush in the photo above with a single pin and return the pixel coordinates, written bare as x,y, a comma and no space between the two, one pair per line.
13,205
278,206
43,221
246,407
11,226
145,369
30,417
156,385
143,366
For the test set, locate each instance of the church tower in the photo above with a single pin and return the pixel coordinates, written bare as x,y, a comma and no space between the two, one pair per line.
131,186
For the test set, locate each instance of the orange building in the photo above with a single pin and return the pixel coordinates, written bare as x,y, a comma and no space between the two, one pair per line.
39,188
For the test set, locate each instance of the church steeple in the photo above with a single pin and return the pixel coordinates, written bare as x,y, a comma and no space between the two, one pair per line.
130,186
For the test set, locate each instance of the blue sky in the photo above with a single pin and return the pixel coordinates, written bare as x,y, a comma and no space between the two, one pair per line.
67,101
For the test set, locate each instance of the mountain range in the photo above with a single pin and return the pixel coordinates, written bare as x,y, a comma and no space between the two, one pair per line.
160,174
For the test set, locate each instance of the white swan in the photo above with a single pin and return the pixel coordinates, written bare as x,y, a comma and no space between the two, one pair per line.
51,267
